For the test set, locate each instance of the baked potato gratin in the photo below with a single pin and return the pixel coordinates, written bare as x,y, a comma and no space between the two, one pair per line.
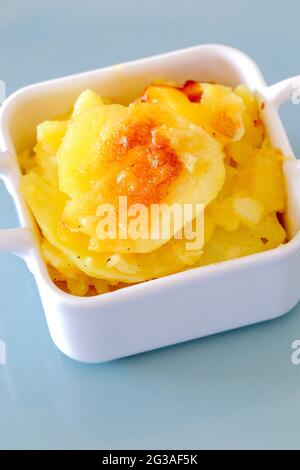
198,143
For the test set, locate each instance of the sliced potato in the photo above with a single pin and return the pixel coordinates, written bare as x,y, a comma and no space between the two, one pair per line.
248,210
86,100
49,138
224,245
241,150
47,203
80,156
152,157
220,111
262,178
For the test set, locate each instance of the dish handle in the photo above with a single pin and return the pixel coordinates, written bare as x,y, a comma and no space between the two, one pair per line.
277,94
288,89
15,240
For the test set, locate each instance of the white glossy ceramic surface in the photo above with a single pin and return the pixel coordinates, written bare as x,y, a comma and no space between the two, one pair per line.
182,306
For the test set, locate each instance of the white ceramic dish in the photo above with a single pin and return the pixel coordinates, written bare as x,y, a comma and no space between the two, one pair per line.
182,306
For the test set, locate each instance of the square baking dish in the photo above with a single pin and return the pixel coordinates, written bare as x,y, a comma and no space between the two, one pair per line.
182,306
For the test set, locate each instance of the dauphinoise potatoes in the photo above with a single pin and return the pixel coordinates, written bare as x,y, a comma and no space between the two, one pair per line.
196,144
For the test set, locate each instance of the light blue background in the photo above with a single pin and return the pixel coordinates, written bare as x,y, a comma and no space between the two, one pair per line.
234,390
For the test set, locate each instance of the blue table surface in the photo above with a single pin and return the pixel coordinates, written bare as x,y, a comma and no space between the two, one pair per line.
233,390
